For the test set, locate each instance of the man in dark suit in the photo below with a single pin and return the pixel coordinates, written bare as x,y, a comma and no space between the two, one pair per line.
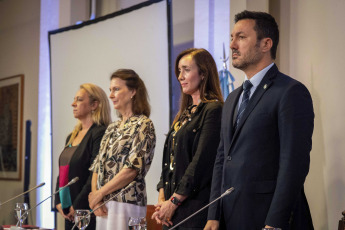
266,137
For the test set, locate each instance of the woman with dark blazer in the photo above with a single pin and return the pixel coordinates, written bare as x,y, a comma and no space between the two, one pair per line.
91,108
191,144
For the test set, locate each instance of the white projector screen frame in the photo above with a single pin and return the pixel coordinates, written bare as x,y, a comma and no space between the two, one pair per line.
137,38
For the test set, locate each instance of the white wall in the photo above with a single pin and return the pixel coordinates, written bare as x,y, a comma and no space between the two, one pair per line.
19,42
212,28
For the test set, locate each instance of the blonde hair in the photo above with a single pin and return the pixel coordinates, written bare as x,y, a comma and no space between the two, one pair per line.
101,115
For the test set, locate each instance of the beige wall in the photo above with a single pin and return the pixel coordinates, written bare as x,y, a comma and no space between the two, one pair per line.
317,51
183,21
19,49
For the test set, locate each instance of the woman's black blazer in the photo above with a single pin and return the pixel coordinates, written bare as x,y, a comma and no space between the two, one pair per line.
195,151
81,160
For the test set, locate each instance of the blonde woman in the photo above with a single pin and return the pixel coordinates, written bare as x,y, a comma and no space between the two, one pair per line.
92,110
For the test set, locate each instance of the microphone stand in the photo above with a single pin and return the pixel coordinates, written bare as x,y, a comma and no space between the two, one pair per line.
227,192
40,185
27,212
111,198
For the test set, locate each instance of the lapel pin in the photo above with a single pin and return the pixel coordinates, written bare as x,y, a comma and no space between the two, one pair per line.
265,86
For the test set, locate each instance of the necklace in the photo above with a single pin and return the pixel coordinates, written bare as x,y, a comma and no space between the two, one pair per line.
184,118
125,123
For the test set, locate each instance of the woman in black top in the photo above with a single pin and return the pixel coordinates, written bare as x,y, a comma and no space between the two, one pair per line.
191,144
91,108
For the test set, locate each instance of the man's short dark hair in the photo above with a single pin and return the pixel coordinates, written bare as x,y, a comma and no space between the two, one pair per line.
265,27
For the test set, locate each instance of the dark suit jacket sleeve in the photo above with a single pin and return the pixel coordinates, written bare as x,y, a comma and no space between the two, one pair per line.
295,123
160,183
214,210
199,171
93,144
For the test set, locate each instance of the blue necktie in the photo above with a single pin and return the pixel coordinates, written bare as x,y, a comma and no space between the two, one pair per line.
245,99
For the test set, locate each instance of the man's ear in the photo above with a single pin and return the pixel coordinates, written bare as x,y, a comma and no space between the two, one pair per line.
266,44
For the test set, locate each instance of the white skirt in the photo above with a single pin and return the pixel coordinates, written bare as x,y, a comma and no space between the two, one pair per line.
118,215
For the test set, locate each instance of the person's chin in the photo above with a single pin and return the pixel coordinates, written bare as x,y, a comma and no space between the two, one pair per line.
236,65
185,91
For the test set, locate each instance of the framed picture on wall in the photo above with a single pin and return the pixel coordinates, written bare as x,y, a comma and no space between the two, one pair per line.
11,127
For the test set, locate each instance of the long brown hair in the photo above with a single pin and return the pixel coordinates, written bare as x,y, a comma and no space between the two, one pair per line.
209,87
101,115
140,101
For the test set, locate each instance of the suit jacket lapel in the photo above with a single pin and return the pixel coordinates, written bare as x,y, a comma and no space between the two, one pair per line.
254,100
233,99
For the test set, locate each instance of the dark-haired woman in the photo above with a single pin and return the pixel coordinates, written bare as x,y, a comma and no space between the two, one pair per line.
191,145
125,155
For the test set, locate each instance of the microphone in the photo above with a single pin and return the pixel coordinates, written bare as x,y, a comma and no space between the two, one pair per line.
40,185
227,192
75,179
111,198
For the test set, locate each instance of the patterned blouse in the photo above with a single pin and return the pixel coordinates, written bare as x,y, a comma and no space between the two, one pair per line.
130,147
